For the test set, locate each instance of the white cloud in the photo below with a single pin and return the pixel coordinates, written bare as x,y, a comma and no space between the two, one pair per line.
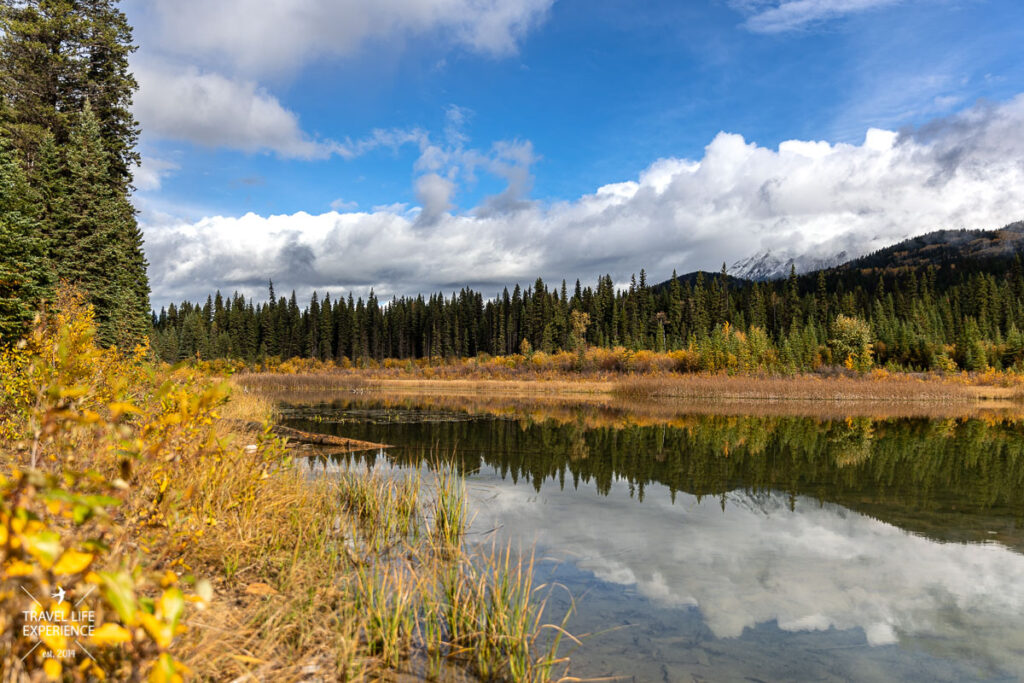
217,111
263,37
202,69
434,194
340,204
739,198
510,161
780,16
149,174
214,110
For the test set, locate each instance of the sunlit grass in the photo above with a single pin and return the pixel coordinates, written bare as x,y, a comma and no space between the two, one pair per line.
342,577
449,509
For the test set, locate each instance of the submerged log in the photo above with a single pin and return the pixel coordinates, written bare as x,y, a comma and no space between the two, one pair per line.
338,442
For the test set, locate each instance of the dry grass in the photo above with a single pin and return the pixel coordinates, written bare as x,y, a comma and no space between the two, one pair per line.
666,396
249,406
802,387
598,410
347,577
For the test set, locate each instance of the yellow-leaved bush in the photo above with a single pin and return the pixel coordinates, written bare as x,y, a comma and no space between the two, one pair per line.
89,438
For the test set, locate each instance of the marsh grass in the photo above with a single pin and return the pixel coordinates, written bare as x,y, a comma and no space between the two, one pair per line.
449,509
883,387
364,573
505,620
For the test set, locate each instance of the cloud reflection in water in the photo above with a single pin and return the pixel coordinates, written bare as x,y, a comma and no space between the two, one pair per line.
810,568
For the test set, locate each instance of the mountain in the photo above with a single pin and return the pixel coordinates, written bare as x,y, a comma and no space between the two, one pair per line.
691,279
769,265
946,248
951,250
937,248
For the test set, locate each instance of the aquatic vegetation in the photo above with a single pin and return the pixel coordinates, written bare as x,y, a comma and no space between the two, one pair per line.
449,508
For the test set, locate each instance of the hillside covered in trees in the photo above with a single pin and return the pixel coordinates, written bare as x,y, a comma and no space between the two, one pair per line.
963,310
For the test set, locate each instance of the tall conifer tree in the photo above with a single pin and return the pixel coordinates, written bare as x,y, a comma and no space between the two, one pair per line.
24,275
65,98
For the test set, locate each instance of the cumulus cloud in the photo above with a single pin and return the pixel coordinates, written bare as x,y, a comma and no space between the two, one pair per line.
434,194
260,36
780,16
201,71
811,568
214,110
738,198
510,161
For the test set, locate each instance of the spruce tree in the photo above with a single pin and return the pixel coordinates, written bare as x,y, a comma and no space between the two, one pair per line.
55,55
65,98
96,242
24,275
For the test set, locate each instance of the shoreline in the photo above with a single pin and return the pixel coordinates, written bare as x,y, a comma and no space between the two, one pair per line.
175,511
650,399
894,387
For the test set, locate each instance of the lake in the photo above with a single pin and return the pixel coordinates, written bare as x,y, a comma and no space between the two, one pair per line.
739,547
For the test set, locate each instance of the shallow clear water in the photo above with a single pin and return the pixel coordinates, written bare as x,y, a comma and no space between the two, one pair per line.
725,548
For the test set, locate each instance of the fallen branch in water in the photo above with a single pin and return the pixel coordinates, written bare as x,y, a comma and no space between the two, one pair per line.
340,442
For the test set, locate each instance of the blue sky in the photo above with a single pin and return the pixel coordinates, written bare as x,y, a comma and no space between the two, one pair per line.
500,118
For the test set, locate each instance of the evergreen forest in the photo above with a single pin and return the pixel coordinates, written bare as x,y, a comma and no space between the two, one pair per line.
938,316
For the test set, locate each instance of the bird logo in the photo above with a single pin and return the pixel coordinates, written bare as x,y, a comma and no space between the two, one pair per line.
59,595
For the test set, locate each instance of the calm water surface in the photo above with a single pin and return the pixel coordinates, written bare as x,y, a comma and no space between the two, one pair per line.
742,548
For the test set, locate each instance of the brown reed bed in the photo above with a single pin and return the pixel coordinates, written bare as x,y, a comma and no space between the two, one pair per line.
666,395
606,410
804,388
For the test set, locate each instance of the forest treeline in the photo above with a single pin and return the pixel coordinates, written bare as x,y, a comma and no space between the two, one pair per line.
67,149
936,317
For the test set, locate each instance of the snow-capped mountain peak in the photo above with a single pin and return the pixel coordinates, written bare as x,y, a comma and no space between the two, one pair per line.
772,265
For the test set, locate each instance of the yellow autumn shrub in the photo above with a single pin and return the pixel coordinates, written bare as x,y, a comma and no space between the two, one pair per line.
83,428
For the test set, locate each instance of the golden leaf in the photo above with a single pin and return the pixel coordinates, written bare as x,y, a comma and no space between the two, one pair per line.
162,634
55,641
111,634
72,562
18,568
53,669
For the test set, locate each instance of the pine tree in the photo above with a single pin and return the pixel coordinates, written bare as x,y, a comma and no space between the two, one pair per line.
95,239
65,97
56,55
40,71
24,275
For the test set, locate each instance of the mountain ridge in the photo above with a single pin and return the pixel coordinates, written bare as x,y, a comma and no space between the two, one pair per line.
943,247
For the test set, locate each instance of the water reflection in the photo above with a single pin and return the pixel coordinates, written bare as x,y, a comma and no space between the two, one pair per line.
952,479
800,564
765,547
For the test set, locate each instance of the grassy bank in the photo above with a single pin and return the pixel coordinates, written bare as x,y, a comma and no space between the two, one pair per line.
203,550
879,386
